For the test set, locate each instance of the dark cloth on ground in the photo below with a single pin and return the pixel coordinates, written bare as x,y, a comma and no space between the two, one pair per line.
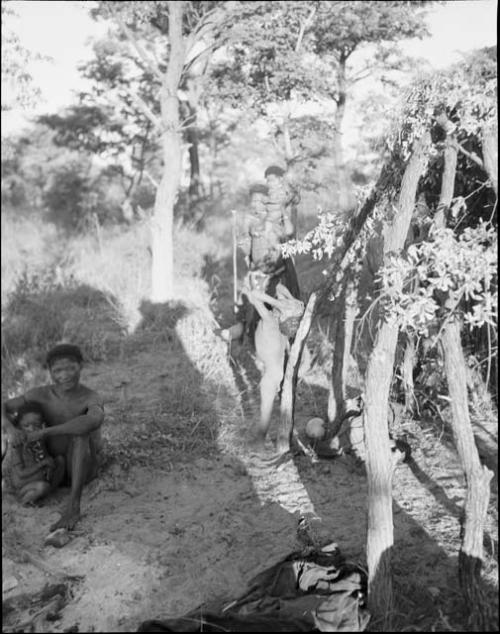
302,593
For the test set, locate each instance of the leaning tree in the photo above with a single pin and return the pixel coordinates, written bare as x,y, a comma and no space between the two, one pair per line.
447,118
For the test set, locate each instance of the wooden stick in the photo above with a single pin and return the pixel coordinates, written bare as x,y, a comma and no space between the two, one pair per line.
290,379
235,270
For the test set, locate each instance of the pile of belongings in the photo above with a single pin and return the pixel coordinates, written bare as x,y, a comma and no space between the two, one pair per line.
314,591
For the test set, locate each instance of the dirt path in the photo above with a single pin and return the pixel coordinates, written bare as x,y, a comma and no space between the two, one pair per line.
185,515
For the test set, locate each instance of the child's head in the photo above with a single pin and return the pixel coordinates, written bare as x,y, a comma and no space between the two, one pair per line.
258,196
274,176
30,417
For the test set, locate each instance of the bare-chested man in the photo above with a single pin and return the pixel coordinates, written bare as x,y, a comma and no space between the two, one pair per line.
73,414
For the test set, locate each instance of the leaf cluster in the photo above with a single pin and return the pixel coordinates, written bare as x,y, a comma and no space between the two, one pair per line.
18,86
463,269
465,93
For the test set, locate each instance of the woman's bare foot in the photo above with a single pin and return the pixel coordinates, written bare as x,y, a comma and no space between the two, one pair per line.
68,520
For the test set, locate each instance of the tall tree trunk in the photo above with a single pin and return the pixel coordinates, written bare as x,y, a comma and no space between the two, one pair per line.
379,372
490,152
478,477
162,275
409,359
287,140
189,116
191,120
339,177
342,358
194,160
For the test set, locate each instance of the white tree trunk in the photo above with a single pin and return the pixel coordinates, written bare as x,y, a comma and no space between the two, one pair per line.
379,372
162,270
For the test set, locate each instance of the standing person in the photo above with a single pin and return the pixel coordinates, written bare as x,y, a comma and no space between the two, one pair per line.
73,414
259,239
282,211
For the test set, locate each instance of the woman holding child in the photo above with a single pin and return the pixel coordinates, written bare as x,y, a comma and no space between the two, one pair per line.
69,443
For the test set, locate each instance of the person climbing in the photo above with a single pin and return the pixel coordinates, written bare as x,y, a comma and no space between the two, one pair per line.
73,414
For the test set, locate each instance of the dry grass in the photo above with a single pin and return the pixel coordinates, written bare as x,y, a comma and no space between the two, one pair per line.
90,289
28,247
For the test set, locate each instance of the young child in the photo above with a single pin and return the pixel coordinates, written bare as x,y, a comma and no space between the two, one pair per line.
282,202
31,468
281,206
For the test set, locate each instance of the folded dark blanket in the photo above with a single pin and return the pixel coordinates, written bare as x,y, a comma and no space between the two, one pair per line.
312,592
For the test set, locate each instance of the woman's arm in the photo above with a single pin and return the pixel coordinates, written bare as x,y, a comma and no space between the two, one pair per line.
79,426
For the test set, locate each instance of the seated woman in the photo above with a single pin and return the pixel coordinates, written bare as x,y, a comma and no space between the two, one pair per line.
73,414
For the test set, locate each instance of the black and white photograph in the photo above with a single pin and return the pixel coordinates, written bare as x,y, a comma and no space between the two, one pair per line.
249,290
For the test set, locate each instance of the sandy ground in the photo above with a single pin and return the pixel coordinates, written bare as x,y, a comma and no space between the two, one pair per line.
184,515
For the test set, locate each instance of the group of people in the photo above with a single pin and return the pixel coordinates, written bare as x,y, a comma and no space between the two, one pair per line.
51,435
270,221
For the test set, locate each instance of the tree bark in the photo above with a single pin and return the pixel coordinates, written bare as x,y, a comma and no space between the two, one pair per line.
478,483
340,181
408,365
162,274
194,161
477,476
490,153
287,140
288,391
484,419
379,372
342,359
191,135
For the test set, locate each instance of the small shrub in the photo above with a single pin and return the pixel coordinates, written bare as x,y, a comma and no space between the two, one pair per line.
42,312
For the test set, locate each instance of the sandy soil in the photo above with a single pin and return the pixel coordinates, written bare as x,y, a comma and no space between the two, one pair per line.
183,514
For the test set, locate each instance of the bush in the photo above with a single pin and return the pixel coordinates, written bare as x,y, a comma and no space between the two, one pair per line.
29,246
42,312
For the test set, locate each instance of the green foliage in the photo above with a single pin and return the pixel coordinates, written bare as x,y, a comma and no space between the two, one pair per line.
86,128
66,195
280,55
63,185
466,94
73,196
323,240
18,86
463,268
341,27
453,270
43,311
